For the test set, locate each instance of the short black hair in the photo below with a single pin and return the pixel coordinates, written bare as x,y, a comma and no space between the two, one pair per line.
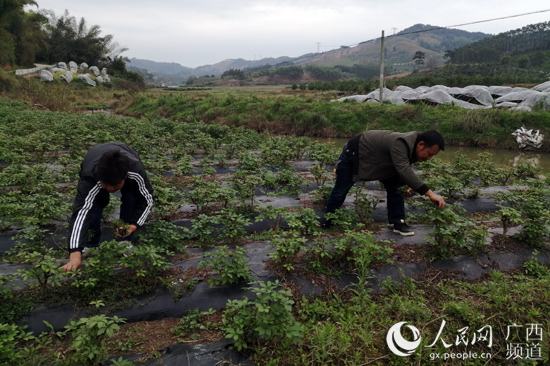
431,138
112,167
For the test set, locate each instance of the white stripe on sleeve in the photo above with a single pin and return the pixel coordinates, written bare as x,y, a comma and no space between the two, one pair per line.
81,217
145,193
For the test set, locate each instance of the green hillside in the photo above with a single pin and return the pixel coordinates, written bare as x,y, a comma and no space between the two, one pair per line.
400,48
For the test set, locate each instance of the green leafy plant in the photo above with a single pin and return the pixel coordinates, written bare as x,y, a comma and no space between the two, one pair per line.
365,204
268,316
146,259
320,174
245,184
277,152
530,208
272,214
11,352
100,267
534,268
287,248
167,198
228,266
121,228
203,228
88,336
205,193
305,221
290,181
509,217
526,170
454,233
43,268
166,235
344,218
233,224
190,325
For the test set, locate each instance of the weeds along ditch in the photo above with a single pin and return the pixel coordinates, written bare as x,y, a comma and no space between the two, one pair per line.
234,248
313,114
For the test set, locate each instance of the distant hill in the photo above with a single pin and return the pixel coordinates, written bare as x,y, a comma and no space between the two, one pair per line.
399,51
529,39
171,71
400,48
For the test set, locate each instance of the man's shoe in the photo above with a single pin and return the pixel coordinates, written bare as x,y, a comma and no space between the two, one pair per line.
129,247
402,228
87,251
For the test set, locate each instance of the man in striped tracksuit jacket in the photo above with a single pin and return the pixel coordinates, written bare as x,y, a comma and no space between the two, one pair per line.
107,168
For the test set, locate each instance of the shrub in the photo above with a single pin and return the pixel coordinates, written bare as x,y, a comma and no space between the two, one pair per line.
268,317
228,266
88,338
10,349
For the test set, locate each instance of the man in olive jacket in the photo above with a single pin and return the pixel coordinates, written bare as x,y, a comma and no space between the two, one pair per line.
107,168
386,156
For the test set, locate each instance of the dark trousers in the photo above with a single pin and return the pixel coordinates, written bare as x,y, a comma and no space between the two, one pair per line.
126,209
344,182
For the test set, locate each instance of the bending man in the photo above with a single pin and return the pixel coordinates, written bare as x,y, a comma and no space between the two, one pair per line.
386,156
107,168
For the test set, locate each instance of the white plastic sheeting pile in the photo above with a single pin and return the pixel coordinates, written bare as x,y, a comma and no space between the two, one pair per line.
470,97
45,75
528,138
72,71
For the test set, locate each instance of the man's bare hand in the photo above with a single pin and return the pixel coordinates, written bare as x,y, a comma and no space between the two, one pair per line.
438,200
124,232
74,263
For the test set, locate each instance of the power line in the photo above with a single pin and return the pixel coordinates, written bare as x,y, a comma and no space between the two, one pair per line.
477,22
457,25
461,25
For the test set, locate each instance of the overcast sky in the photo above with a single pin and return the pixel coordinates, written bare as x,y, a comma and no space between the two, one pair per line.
204,32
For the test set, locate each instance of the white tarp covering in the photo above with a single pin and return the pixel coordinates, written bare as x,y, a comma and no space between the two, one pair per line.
87,79
45,75
357,98
410,94
73,67
535,98
95,70
67,76
542,87
499,90
403,88
471,97
480,93
437,96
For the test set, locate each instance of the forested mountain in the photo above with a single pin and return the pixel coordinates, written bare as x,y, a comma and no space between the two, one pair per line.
440,39
399,49
175,72
361,60
531,38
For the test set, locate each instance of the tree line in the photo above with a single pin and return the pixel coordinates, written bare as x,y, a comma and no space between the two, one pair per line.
531,38
29,36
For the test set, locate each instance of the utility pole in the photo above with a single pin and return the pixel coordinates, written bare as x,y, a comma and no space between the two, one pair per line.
382,68
318,47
